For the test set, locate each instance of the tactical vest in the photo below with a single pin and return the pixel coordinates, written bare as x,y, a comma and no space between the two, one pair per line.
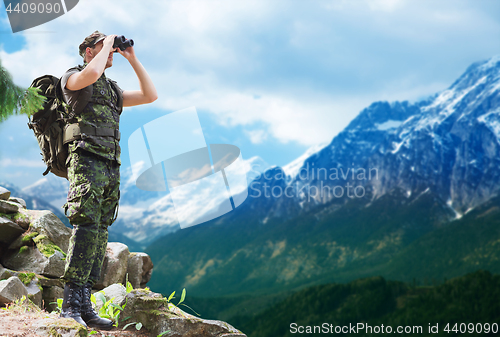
93,129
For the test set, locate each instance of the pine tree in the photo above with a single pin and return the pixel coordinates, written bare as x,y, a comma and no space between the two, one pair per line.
15,100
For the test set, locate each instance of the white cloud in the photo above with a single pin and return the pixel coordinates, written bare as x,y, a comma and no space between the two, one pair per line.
256,136
315,64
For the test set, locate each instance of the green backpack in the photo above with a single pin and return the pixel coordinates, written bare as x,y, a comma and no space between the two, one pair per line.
48,124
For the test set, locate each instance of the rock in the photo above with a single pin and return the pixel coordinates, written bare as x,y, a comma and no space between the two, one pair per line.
8,207
22,218
116,291
25,239
157,315
114,266
5,273
33,260
50,296
35,292
18,201
17,243
48,224
60,327
11,289
10,230
50,282
4,193
139,269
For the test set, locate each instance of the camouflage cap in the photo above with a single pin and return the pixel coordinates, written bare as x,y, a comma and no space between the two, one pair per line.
91,41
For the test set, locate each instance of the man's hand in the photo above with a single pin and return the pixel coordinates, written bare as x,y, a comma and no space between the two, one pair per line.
128,53
108,42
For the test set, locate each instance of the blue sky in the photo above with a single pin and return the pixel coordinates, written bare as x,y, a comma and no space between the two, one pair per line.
272,77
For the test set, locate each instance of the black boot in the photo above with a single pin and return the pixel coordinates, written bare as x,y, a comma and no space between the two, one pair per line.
72,302
89,315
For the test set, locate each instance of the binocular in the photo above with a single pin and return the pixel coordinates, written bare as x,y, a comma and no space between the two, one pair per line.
122,43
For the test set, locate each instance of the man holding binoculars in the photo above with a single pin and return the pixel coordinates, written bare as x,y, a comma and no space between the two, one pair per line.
94,164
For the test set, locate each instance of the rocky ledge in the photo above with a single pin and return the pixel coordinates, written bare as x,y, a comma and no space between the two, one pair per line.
33,247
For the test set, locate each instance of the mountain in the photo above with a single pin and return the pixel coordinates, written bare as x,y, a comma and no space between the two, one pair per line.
449,143
145,216
50,188
399,173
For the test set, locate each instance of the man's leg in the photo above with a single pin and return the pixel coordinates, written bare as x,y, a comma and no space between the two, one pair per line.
109,207
83,211
110,197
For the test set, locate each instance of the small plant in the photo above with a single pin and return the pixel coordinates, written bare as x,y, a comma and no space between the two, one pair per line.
138,326
108,309
28,237
163,333
183,297
129,286
21,306
59,303
16,303
20,301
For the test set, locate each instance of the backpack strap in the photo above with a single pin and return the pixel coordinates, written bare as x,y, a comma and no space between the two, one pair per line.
83,98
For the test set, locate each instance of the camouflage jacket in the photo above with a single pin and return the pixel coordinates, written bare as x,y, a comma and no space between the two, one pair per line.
100,111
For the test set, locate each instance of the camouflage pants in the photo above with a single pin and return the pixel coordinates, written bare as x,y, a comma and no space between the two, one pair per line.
93,197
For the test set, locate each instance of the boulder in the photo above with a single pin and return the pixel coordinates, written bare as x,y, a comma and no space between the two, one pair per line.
48,224
116,292
50,282
34,292
22,218
11,289
5,273
50,296
33,260
157,315
18,201
114,266
139,269
4,193
8,206
10,230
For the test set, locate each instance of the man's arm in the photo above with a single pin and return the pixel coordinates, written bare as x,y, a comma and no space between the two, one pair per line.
94,69
147,92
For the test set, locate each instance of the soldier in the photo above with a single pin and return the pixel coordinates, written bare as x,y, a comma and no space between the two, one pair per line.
94,166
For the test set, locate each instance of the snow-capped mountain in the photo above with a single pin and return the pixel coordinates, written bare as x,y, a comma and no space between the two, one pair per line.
448,144
144,216
50,188
452,146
